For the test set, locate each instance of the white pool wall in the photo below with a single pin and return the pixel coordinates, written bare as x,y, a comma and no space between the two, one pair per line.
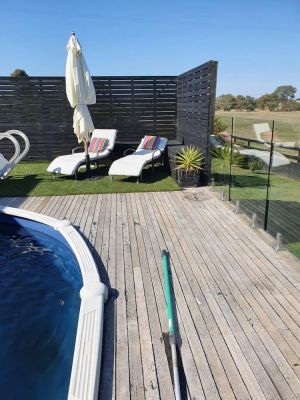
85,375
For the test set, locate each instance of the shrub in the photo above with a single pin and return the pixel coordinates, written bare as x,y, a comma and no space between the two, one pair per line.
224,155
219,125
226,102
256,165
290,105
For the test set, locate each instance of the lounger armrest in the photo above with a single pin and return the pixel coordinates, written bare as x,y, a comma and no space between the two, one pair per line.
77,148
154,151
127,151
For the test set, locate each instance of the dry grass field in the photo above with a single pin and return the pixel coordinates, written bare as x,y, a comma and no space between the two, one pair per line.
287,124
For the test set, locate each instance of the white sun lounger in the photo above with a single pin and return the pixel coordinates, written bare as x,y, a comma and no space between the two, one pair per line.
264,129
133,164
278,159
69,164
7,165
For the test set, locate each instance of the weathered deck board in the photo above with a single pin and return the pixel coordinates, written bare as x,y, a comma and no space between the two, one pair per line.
237,300
134,345
216,277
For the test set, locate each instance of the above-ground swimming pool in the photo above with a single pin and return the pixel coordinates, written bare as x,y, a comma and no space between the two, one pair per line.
51,302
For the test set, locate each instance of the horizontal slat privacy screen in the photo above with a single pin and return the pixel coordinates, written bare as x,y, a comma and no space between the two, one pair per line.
179,108
196,93
134,105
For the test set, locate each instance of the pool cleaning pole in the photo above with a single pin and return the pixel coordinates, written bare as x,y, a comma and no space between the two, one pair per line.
172,337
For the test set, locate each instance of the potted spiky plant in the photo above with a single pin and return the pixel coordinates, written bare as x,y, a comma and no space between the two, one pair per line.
189,163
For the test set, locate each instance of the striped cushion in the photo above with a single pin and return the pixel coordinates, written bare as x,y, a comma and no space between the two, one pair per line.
150,142
98,144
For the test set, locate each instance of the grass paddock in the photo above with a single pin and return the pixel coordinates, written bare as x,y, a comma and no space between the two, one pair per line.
287,124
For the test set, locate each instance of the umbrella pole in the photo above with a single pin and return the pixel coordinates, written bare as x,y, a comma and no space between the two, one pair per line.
87,158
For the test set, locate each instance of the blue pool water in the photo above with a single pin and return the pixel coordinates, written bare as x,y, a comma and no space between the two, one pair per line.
39,307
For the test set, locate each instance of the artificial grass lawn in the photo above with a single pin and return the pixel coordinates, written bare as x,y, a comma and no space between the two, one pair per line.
32,179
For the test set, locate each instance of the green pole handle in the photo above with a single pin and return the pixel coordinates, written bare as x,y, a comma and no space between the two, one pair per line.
165,260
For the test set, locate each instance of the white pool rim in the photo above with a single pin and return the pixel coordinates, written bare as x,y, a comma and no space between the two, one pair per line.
85,374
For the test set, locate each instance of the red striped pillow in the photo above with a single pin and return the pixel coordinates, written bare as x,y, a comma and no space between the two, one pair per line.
150,142
98,144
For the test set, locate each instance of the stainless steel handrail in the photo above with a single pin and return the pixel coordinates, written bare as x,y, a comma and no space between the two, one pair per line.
18,155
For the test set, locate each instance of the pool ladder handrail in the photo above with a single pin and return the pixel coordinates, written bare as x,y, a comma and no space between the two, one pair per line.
18,154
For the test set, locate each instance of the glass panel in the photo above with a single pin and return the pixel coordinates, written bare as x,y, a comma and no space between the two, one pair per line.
244,174
284,205
251,156
220,162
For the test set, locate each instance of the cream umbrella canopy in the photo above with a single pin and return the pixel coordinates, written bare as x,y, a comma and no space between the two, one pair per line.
80,92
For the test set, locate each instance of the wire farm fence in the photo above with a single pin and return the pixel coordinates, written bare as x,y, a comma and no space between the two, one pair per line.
258,166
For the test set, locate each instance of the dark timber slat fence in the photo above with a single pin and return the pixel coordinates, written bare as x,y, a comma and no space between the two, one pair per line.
134,105
196,93
180,108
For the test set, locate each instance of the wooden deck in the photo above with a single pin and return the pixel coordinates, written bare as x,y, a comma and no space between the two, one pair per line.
238,307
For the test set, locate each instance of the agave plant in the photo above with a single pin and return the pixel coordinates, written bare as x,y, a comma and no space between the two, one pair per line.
224,155
189,158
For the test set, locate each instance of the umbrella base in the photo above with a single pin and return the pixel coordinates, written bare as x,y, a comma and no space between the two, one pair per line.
93,175
85,177
88,165
87,173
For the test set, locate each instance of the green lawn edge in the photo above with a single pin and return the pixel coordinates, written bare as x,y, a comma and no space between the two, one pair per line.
30,179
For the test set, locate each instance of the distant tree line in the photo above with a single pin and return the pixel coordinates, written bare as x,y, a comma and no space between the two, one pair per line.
282,99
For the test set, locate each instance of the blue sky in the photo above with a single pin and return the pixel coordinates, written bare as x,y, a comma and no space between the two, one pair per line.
255,42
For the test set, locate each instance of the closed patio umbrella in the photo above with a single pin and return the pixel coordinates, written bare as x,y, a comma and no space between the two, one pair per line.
80,92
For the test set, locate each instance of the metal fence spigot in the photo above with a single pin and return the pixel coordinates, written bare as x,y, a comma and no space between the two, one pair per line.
237,207
254,221
279,245
223,194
